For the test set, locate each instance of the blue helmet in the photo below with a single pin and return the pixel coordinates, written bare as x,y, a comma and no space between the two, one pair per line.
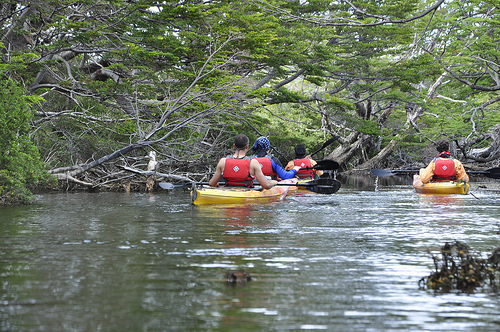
261,143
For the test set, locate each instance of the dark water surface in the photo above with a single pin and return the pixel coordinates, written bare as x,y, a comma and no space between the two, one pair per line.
345,262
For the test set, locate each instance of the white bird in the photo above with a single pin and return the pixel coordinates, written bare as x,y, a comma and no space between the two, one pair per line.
152,161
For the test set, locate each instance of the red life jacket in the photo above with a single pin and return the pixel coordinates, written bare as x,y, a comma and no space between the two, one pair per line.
237,172
267,167
444,170
304,173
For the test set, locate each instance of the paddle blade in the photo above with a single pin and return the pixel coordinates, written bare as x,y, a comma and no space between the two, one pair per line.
382,172
166,185
324,186
493,173
326,165
330,141
386,172
170,186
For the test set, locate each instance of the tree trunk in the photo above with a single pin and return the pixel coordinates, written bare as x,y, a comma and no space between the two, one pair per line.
383,154
489,153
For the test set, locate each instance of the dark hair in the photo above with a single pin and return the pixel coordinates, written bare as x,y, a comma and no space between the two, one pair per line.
241,141
442,145
300,150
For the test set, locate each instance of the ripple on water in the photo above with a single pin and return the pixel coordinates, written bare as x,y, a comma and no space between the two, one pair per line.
349,262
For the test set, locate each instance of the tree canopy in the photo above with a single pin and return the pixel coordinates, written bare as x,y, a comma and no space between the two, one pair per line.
116,79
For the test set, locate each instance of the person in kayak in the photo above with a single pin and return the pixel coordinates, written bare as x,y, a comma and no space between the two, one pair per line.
239,170
269,164
444,167
303,161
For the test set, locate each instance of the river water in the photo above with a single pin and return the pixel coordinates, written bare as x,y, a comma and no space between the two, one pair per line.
152,262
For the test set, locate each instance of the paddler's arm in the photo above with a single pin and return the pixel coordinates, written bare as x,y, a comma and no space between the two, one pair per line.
460,171
282,173
290,165
314,163
256,172
427,173
214,181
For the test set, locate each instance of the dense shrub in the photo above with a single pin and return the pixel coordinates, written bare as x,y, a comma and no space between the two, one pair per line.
20,167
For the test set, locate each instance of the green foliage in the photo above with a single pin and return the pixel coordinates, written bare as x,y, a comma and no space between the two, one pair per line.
20,165
320,67
288,126
283,95
260,93
338,103
368,127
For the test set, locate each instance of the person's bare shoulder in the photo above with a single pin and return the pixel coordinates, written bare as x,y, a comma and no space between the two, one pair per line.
254,163
222,163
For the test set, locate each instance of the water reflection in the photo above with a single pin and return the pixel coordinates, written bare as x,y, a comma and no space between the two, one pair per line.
371,182
231,212
233,219
346,262
446,200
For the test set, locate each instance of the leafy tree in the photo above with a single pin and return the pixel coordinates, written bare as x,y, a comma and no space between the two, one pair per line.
360,69
181,78
20,167
463,40
119,77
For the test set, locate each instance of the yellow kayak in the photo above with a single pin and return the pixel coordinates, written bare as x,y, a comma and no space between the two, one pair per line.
441,187
237,195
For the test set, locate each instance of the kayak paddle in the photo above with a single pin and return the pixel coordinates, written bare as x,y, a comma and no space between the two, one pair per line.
330,141
325,165
493,173
324,186
170,186
386,172
321,186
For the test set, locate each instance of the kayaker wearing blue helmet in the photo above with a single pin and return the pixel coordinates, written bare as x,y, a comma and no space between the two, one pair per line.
269,164
239,170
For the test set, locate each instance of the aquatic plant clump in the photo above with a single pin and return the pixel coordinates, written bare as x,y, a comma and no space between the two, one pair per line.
461,269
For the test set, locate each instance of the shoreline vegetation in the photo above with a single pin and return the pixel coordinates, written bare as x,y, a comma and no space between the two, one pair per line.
143,174
131,179
99,95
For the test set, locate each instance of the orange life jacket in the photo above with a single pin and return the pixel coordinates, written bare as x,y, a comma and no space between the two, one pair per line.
303,163
237,173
